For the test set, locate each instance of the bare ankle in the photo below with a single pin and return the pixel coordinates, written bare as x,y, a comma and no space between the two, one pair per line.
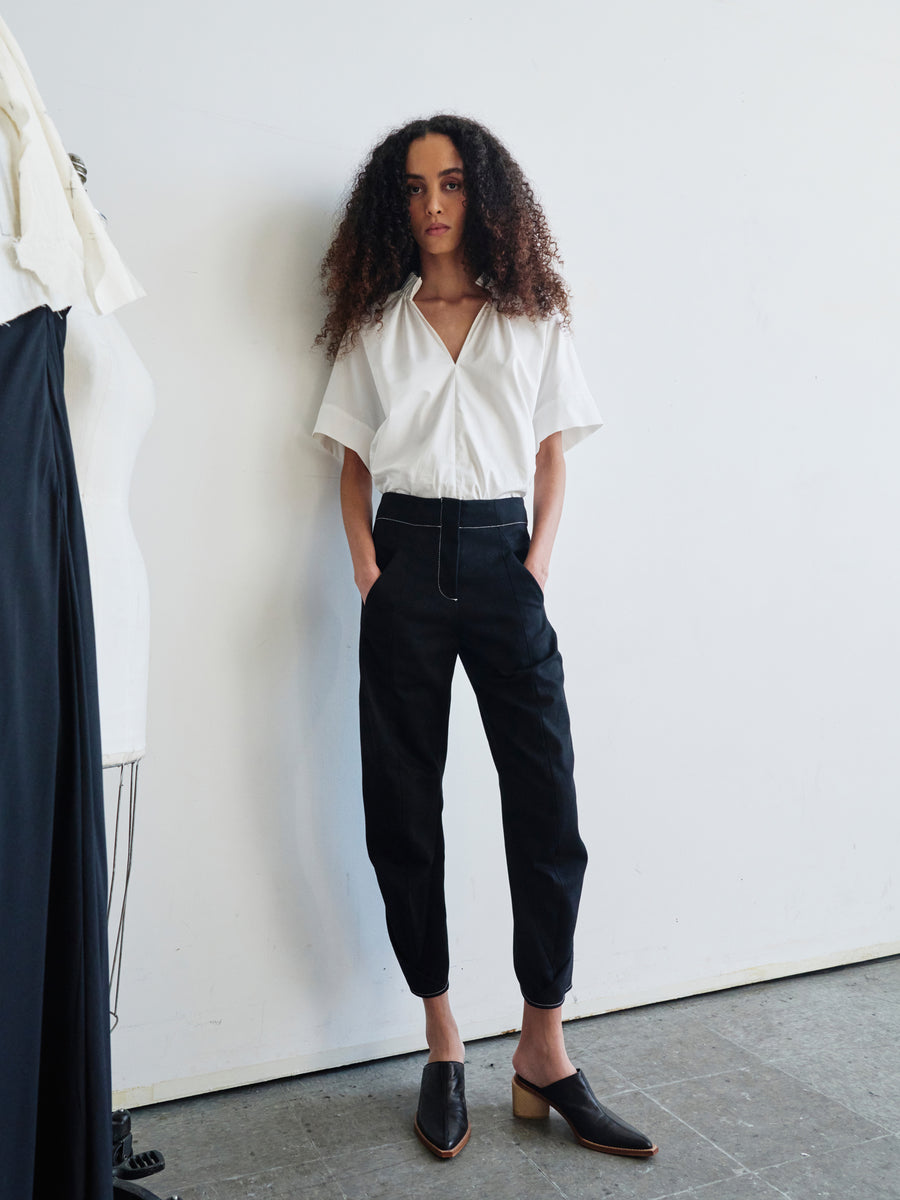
541,1056
442,1032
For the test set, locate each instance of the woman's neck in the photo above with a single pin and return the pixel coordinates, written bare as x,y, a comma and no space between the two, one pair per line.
446,277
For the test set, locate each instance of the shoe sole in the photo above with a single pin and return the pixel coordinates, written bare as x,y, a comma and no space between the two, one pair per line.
436,1150
622,1151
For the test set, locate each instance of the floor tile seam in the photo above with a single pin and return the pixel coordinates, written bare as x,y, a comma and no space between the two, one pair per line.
704,1187
768,1054
699,1188
334,1179
243,1173
216,1180
836,1049
650,1087
647,1087
777,1190
768,1183
317,1159
887,1131
804,1156
674,1195
699,1132
325,1159
838,1046
742,1046
789,1162
540,1170
628,1091
831,1011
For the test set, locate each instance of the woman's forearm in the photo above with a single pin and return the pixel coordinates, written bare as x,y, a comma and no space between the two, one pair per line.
549,492
356,510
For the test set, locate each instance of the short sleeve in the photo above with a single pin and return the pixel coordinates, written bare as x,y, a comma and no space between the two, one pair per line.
351,411
564,402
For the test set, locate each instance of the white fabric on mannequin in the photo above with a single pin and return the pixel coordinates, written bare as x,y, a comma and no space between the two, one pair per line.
20,291
55,252
54,233
110,401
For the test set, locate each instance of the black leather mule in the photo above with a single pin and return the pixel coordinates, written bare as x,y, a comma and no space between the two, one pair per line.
593,1125
442,1120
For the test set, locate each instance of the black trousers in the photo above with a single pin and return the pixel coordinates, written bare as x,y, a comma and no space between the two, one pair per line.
453,584
55,1095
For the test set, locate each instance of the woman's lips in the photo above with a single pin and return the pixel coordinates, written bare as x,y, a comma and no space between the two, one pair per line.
434,230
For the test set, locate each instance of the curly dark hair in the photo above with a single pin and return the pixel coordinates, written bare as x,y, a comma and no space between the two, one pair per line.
507,239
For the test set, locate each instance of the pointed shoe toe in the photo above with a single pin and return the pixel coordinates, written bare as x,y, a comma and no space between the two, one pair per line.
593,1125
442,1120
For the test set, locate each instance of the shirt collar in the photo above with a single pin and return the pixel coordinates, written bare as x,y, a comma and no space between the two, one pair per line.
414,282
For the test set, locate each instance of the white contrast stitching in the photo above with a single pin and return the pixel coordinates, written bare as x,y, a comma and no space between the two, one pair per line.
412,524
416,525
441,592
504,525
440,528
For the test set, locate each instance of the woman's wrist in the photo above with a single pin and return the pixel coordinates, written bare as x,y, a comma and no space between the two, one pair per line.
539,568
365,576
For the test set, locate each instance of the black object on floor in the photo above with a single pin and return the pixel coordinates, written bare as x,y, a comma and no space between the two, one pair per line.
128,1166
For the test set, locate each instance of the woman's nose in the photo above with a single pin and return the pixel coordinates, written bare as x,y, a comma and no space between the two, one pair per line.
433,203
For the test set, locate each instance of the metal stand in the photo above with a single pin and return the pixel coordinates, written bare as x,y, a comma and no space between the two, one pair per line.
127,1166
126,834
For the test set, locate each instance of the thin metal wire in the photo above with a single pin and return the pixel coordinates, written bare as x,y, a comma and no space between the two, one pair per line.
115,976
115,853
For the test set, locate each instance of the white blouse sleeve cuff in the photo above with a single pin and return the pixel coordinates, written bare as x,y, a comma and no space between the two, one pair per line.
336,429
575,422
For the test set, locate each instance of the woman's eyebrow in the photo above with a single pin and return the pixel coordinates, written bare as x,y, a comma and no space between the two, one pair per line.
448,171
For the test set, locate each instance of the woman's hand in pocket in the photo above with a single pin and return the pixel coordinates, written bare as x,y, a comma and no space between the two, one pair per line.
365,581
538,570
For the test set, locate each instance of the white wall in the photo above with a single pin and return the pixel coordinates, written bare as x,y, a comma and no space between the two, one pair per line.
723,181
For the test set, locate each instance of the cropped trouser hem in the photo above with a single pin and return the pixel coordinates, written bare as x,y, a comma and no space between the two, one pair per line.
453,585
533,1004
432,995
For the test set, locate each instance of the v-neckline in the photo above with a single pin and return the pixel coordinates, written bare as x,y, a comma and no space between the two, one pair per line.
443,344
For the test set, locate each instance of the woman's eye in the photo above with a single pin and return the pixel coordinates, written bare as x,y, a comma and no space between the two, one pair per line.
453,185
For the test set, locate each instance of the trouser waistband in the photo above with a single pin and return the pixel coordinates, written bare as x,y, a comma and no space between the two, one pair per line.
450,517
446,513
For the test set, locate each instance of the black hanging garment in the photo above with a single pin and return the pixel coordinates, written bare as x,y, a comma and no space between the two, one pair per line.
55,1095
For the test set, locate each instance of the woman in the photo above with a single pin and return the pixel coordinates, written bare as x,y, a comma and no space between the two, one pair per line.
452,365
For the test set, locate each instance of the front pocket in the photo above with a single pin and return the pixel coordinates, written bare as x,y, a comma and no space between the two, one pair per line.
386,553
521,565
373,588
518,542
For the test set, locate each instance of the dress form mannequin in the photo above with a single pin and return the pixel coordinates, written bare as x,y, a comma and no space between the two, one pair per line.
54,987
109,403
109,398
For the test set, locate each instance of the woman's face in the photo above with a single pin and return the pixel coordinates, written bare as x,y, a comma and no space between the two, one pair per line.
436,192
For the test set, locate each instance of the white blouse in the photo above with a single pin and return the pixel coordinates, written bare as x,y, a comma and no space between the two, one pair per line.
469,430
54,249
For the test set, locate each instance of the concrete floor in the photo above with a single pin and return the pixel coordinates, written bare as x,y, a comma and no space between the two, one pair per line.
787,1089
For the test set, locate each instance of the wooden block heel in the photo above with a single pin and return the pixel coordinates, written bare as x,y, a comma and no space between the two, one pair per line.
527,1104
